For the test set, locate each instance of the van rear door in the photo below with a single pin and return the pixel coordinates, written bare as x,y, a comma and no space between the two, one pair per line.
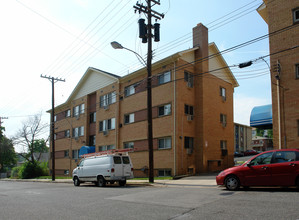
118,166
127,166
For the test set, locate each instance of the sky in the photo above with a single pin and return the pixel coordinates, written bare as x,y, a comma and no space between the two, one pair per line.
63,38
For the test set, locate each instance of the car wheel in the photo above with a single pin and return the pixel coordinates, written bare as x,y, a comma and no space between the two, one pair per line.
101,181
122,182
76,181
232,183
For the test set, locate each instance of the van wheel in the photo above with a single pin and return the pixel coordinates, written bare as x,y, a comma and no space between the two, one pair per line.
101,182
76,181
122,182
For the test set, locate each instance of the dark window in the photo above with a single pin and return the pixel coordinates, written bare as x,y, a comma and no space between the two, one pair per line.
284,156
126,160
66,153
223,93
67,133
188,77
189,142
189,110
165,110
92,117
128,145
117,160
92,140
223,145
164,78
262,159
296,15
223,120
297,71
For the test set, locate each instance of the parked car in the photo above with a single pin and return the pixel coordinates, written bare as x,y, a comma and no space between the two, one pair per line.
250,152
270,168
101,169
237,154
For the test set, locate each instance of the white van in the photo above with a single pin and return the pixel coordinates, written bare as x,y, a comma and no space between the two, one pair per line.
101,169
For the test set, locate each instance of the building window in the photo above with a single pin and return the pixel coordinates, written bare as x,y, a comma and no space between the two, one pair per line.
223,145
79,131
298,127
129,118
66,153
66,172
223,120
189,110
296,15
67,133
189,141
107,99
92,117
68,113
188,77
165,172
164,78
92,140
78,110
75,154
165,110
106,147
223,93
107,124
164,143
130,90
129,145
297,71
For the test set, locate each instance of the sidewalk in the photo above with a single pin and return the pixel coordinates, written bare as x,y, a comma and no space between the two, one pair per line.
207,180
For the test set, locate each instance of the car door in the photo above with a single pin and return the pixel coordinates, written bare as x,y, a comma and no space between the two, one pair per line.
284,168
258,171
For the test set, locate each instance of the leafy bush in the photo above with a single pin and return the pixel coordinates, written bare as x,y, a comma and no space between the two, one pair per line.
32,170
15,172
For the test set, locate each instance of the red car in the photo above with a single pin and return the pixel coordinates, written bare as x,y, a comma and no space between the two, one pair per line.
270,168
250,152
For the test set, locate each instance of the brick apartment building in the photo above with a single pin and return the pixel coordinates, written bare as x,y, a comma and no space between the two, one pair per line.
280,14
193,125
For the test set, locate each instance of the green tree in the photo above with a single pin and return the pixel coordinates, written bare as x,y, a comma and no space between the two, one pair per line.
7,152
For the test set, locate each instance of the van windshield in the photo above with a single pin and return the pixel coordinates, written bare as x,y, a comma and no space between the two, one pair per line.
126,160
117,160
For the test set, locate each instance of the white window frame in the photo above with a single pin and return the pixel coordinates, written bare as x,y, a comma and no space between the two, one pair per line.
164,143
131,118
164,78
108,124
106,147
166,110
129,145
107,99
130,90
223,93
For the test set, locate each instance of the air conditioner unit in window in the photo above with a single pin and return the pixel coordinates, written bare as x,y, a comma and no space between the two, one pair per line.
189,117
190,84
105,133
106,107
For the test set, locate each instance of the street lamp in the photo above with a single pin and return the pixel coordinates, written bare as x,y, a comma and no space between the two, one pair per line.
117,45
148,65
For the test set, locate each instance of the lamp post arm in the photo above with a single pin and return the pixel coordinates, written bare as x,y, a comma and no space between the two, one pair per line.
144,63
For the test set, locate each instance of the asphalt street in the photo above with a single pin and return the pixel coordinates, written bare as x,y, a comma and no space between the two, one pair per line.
175,200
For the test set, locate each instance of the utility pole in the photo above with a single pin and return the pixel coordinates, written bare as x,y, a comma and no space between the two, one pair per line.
145,32
53,80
